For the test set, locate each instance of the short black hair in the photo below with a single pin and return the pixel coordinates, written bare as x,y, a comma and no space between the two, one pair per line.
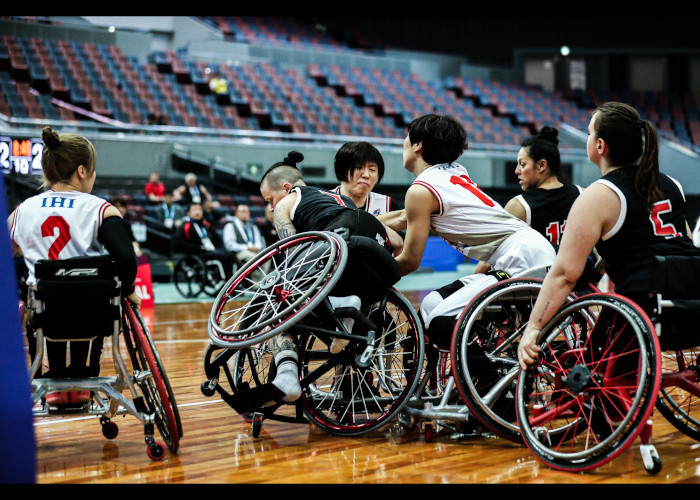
444,138
353,155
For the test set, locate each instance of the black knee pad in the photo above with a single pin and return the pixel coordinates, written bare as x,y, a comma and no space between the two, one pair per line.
440,331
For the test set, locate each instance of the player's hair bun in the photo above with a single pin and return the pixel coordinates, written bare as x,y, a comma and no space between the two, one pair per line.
50,138
550,134
292,158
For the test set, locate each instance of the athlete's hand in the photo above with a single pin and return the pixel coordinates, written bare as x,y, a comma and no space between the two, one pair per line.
134,299
528,350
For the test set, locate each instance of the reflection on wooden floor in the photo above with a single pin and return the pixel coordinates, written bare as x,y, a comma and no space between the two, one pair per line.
218,446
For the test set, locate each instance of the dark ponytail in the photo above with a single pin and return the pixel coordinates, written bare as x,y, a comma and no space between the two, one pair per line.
620,126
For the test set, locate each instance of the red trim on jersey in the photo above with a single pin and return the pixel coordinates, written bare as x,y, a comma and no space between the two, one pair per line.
435,193
14,225
101,212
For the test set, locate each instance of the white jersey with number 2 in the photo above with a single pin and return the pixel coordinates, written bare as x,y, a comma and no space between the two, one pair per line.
58,225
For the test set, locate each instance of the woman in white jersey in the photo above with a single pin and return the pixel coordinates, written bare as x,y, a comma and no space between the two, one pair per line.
67,221
445,200
359,167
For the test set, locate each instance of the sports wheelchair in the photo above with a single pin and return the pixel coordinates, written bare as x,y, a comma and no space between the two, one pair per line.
350,393
469,386
92,284
193,275
605,365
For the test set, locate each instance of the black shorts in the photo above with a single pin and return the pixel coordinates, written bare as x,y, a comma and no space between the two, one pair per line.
363,275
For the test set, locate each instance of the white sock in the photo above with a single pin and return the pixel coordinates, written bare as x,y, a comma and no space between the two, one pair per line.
287,379
350,301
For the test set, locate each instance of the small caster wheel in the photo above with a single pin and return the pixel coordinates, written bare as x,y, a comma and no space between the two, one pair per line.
110,429
156,451
656,467
650,459
429,432
257,424
208,387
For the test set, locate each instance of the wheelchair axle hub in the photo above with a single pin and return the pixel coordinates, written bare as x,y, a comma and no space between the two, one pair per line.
578,379
281,294
270,280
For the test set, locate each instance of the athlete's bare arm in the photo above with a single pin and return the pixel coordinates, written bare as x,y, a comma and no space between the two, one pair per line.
281,216
420,204
395,220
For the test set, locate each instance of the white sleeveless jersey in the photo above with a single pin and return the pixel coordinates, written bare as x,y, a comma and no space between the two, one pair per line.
376,203
58,225
467,218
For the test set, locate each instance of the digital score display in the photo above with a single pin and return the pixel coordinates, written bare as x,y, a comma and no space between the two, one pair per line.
21,156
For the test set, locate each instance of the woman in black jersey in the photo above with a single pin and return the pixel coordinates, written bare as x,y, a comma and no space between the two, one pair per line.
298,208
633,213
546,199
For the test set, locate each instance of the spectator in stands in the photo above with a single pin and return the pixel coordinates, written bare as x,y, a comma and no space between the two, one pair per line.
359,167
196,237
267,227
170,214
218,84
210,216
192,192
154,188
242,236
444,199
631,214
121,206
68,165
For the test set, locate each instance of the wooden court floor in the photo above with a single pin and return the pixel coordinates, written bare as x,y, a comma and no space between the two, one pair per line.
218,446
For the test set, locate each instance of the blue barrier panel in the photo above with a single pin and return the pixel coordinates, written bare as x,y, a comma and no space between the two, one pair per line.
440,256
17,445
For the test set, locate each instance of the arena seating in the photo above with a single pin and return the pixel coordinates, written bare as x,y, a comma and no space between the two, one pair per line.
289,32
56,79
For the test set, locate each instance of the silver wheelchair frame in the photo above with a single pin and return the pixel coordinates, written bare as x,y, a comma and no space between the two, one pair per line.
350,393
142,390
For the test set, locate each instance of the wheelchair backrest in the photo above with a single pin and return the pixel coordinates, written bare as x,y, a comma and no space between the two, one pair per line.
677,276
78,297
677,285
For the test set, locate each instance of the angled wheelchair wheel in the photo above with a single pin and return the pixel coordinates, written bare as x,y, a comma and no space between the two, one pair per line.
484,352
593,387
229,371
189,276
679,396
214,278
150,377
345,395
302,269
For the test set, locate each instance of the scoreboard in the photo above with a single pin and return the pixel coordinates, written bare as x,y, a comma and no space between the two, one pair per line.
20,155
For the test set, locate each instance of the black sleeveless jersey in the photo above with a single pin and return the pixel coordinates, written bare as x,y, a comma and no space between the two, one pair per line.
548,209
315,208
629,248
